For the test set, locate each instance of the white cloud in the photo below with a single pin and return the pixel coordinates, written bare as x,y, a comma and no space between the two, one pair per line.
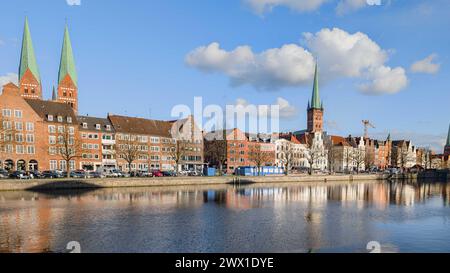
384,80
289,65
10,77
347,6
340,54
286,109
73,2
426,65
263,6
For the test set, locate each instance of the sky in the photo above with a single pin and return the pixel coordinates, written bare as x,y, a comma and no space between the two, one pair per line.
387,63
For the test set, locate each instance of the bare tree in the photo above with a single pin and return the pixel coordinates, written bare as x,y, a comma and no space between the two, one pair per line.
358,157
7,132
288,158
216,153
129,149
369,160
259,156
314,153
68,145
177,152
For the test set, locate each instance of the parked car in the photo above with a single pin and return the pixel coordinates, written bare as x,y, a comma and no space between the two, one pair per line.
169,173
94,175
78,174
19,175
147,174
51,174
35,174
157,174
194,173
4,173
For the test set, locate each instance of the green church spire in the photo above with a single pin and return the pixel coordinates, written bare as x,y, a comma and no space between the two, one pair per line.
67,64
315,101
27,56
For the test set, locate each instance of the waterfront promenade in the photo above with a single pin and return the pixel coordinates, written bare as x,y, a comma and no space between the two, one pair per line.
55,184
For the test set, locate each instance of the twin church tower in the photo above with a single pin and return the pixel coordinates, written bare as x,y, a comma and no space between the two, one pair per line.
30,86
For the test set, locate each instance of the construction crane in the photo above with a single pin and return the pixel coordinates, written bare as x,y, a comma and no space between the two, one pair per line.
367,124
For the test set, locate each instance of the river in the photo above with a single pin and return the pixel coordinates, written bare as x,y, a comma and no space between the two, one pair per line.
332,217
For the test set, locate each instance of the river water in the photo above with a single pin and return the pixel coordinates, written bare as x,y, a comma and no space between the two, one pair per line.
341,217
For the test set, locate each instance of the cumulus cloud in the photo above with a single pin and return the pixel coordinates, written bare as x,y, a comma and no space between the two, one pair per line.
289,65
286,109
73,2
347,6
263,6
340,55
426,65
10,77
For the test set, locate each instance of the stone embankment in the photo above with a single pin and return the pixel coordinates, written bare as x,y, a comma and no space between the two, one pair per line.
56,184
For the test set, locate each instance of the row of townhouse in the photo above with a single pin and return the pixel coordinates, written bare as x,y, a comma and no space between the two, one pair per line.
35,134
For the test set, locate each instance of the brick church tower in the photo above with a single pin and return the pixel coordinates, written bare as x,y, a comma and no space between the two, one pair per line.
315,108
447,144
29,78
67,76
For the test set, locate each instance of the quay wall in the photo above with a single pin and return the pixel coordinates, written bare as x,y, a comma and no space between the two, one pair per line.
55,184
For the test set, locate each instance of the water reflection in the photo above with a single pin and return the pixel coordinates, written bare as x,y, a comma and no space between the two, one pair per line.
267,218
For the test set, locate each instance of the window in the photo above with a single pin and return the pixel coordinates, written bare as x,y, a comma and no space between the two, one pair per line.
50,117
53,165
52,150
60,119
30,126
19,138
97,126
72,165
30,138
18,113
154,140
71,130
62,165
51,129
6,112
108,127
52,140
85,125
19,126
7,125
9,148
30,150
19,149
60,129
69,119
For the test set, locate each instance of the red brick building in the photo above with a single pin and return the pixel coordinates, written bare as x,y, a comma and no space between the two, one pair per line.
233,148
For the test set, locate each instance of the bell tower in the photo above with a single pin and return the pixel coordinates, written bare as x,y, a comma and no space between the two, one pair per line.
315,107
67,76
29,78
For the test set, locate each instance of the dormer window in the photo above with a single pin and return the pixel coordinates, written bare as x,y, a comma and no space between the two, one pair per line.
50,117
84,125
69,119
108,127
97,126
60,119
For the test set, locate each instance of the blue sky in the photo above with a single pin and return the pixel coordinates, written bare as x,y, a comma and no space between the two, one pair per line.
141,58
